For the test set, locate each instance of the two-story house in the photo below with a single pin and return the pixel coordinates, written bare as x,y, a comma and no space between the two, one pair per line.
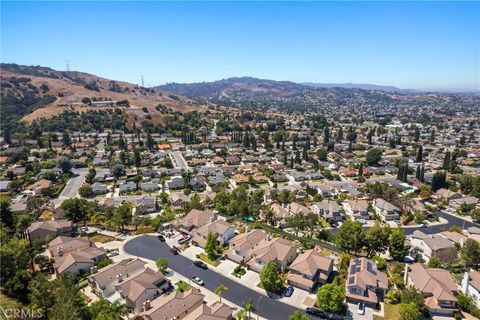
328,210
310,269
222,230
279,250
471,285
432,245
437,288
386,210
242,246
365,283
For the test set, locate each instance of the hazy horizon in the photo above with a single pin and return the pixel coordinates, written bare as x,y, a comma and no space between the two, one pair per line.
423,46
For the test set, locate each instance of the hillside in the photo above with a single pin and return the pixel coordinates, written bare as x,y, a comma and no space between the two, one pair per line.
32,92
285,96
364,86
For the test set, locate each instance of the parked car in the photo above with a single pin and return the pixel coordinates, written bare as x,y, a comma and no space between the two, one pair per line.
361,308
422,225
184,239
161,238
362,221
198,281
201,264
112,253
174,250
315,312
288,292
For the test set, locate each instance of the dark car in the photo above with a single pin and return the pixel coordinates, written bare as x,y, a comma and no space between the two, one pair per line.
161,238
288,292
200,264
174,250
315,312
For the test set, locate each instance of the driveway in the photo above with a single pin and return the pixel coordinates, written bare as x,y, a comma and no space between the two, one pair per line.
150,247
71,188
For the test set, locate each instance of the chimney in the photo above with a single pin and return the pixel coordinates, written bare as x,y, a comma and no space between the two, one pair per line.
60,251
146,305
119,278
93,269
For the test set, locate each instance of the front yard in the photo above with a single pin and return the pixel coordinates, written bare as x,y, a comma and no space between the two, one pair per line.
182,286
392,312
204,258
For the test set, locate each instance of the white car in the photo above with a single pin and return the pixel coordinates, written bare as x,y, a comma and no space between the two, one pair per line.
361,308
362,221
198,281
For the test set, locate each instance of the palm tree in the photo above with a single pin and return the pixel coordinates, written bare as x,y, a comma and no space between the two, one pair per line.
241,315
248,306
221,290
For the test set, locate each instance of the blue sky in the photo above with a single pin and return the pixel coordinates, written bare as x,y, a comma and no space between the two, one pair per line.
425,45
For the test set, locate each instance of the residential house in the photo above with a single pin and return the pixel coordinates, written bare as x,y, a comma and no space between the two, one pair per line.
242,246
448,194
146,204
198,183
127,187
99,188
176,183
432,245
149,186
386,210
365,283
43,230
437,287
329,210
310,269
217,180
222,230
74,255
279,250
39,187
178,199
5,185
471,285
357,209
188,305
194,219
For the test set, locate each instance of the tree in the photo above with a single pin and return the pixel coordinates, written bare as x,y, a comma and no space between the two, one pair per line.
396,244
150,142
419,157
269,277
470,253
6,216
42,294
104,310
66,139
137,159
211,246
68,299
85,191
23,222
373,156
118,170
330,297
409,311
65,164
76,210
162,264
297,315
439,180
90,176
167,162
434,262
322,154
248,307
446,160
123,215
350,236
475,215
412,295
220,290
376,240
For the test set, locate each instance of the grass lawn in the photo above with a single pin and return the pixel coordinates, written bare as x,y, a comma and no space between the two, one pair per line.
392,312
204,258
102,238
182,286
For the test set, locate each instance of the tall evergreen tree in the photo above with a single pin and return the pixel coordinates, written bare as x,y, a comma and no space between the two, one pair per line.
419,157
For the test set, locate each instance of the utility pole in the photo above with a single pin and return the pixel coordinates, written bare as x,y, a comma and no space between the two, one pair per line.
143,83
68,65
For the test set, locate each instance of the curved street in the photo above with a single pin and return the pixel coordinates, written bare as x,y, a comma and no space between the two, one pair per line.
150,247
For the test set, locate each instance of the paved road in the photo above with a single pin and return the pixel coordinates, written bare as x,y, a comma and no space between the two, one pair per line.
71,188
178,160
151,248
452,221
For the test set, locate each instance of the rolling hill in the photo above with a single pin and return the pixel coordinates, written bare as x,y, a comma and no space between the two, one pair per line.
33,92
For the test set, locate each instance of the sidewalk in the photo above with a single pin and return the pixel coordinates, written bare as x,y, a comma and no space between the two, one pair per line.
251,278
210,297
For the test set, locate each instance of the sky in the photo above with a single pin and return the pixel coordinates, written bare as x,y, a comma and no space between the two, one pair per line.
420,45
